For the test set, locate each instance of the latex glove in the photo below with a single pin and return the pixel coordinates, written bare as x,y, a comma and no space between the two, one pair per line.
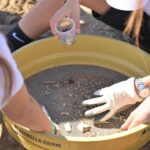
70,9
113,98
140,115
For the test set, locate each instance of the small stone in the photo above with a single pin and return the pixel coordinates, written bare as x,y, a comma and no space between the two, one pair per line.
88,134
64,104
64,113
68,127
82,127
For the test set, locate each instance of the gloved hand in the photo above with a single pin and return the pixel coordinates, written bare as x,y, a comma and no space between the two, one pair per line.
113,99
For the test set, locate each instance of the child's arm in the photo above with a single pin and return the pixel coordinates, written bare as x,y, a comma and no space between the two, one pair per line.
20,106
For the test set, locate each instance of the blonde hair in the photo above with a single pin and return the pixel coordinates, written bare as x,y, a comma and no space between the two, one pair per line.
133,25
8,78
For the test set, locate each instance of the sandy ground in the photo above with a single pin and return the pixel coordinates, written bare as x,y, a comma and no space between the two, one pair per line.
10,13
74,84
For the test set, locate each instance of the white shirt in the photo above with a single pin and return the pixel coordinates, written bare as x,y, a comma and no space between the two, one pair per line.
147,8
129,5
17,77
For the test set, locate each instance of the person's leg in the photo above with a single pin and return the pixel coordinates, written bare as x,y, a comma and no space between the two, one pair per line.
36,22
24,110
118,18
99,6
102,11
33,24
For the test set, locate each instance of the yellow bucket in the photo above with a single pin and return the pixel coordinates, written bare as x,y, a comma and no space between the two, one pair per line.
88,50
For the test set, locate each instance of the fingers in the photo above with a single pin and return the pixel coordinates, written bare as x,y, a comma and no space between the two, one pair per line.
102,91
97,93
107,116
77,23
94,101
76,18
132,122
53,29
127,123
139,116
97,110
55,19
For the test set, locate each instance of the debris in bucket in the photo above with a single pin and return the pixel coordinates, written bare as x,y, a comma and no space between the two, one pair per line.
83,127
91,134
57,82
66,92
68,127
64,113
64,28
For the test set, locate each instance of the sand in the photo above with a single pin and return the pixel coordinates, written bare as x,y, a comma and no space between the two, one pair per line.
68,86
10,13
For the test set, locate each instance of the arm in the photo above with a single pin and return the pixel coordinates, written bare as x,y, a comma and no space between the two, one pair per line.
24,110
20,106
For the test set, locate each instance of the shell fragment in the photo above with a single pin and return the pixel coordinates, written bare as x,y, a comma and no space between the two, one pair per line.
68,127
83,127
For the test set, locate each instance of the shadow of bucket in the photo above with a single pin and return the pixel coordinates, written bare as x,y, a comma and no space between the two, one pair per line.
88,50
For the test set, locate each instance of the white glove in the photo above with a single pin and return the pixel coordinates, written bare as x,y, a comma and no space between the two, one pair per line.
113,99
17,77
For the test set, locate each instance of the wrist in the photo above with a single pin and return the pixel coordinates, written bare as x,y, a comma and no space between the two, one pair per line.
142,90
54,129
146,81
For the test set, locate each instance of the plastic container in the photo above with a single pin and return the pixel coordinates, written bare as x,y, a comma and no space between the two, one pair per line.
88,50
66,30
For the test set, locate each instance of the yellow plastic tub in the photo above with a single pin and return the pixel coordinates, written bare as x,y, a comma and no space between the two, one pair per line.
88,50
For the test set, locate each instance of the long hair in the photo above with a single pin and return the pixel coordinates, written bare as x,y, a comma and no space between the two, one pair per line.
133,25
7,78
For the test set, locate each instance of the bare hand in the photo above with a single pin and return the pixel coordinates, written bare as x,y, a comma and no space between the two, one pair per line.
70,9
140,115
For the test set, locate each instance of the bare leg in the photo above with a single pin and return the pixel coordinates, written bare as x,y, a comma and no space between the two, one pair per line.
24,110
100,6
36,22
